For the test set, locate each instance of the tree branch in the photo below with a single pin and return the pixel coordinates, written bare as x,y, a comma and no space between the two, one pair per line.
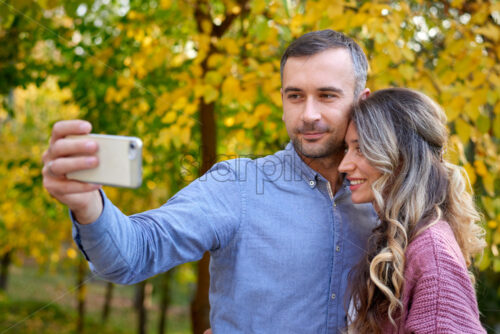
218,31
201,14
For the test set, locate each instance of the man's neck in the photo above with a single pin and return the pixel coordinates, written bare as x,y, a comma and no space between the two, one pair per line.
328,168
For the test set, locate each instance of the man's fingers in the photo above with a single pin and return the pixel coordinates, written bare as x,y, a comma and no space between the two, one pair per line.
45,156
63,187
72,147
66,155
62,166
49,169
69,127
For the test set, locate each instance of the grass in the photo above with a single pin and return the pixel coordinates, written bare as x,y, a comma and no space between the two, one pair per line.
45,302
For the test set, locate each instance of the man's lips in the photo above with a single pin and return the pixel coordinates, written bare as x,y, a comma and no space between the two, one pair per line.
312,135
313,132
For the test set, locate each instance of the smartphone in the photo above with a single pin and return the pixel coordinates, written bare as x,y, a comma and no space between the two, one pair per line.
120,162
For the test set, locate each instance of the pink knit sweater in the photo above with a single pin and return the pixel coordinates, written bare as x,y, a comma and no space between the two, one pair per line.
438,296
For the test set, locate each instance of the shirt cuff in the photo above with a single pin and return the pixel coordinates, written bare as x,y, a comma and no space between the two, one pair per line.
94,231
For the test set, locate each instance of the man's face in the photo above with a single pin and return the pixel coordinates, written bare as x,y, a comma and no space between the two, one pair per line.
317,94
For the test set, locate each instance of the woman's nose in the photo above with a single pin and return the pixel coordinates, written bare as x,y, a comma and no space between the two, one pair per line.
346,164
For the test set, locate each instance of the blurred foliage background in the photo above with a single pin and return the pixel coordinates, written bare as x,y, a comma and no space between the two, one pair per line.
199,81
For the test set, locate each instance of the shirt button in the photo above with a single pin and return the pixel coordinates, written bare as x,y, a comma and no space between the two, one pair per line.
312,183
335,204
333,296
337,248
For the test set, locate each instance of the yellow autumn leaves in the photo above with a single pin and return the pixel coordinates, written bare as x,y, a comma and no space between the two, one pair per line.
30,221
159,67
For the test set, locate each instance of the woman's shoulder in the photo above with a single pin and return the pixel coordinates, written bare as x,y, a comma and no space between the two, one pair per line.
435,247
438,291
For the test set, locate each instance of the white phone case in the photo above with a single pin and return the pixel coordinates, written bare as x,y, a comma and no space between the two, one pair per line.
120,162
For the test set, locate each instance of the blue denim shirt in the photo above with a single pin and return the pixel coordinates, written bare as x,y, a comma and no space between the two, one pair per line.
281,243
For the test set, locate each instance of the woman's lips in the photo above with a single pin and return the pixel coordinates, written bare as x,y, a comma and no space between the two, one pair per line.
355,183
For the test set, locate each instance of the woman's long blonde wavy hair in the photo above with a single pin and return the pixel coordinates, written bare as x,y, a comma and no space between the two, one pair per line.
403,134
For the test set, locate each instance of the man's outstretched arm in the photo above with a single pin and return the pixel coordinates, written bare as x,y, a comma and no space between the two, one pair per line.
203,216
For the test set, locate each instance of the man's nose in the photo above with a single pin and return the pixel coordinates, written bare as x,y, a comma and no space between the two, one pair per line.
311,112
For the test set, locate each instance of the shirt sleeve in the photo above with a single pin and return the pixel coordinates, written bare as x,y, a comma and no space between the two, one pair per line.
443,298
202,217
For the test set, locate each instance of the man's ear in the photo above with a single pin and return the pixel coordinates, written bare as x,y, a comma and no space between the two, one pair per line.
283,113
364,94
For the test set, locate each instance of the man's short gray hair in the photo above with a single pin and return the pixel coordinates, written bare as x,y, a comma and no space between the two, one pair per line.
317,41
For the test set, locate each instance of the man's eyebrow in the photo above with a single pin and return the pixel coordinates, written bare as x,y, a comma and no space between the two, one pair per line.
292,89
321,89
331,89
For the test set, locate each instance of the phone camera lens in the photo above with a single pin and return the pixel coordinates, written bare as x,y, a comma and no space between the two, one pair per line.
132,150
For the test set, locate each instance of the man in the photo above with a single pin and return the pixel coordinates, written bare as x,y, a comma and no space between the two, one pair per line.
282,230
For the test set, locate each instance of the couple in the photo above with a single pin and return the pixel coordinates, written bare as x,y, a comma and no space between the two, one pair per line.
388,238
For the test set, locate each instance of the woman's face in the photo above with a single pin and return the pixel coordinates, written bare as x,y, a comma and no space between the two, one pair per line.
359,171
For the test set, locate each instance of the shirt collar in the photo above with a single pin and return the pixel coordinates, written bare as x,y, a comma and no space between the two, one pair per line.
299,166
307,173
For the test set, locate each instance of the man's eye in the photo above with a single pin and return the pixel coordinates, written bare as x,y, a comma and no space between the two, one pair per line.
328,96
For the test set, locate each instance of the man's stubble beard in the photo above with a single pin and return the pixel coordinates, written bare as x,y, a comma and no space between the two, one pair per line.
331,148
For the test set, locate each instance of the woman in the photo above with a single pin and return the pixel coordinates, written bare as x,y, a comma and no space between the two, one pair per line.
414,277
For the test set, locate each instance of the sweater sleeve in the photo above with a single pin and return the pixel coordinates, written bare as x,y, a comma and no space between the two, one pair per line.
442,297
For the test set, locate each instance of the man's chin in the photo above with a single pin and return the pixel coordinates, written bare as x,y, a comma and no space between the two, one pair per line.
311,150
314,155
315,150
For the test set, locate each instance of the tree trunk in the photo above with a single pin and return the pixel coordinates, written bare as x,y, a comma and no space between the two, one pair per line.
142,301
200,307
107,302
165,301
4,270
81,294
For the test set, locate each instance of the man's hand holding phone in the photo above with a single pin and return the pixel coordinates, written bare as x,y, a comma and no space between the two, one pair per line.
77,163
66,155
